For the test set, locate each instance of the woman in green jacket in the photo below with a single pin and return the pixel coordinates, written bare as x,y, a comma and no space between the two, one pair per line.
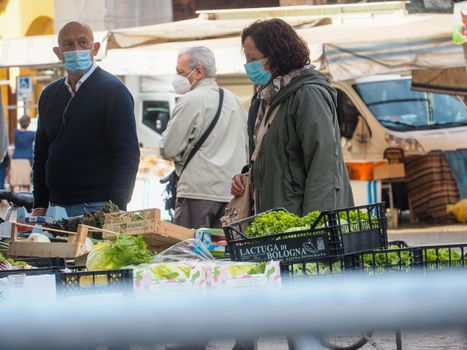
299,165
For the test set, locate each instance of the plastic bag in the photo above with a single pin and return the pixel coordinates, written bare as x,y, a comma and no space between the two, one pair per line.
189,249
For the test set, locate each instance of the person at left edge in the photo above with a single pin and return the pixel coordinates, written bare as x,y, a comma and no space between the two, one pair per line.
3,133
86,149
4,157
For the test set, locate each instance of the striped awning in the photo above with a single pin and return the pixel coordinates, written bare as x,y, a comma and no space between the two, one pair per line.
348,61
410,43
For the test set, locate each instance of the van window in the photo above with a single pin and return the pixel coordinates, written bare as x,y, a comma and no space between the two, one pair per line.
156,115
398,107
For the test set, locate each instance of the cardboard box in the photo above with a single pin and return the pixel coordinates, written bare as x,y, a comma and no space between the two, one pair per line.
170,277
362,170
224,274
158,234
389,171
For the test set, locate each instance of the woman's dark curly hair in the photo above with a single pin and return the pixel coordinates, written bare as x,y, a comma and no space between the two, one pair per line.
277,40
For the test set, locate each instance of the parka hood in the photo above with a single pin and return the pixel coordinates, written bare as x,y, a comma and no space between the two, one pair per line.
300,165
309,76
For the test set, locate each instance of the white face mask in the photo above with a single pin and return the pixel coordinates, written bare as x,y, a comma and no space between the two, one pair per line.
181,84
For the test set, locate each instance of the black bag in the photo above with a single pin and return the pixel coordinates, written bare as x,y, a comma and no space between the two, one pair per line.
170,197
171,180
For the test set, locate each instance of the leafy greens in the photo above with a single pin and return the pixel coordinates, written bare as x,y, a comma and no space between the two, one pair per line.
124,250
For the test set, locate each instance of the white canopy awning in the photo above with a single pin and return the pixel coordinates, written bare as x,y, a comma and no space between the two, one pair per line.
152,50
161,59
347,50
410,43
357,46
196,29
37,50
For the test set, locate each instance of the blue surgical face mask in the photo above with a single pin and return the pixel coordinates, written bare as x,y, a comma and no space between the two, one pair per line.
256,72
77,62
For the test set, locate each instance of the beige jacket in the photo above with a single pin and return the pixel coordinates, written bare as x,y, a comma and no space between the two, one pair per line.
223,154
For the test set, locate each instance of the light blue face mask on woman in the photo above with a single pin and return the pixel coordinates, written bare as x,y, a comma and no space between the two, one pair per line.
256,72
77,62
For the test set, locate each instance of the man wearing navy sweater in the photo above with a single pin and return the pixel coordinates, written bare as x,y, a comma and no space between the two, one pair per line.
86,149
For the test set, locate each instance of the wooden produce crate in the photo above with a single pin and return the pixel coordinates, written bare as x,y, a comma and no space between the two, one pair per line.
157,233
74,247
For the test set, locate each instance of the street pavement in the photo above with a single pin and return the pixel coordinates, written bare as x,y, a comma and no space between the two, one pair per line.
428,234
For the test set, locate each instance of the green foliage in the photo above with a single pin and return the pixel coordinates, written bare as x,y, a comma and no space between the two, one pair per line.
388,259
23,264
403,258
443,257
271,223
124,250
381,261
317,268
274,222
354,215
310,218
355,220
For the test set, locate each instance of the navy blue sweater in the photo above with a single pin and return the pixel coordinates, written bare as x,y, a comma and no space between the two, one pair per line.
86,148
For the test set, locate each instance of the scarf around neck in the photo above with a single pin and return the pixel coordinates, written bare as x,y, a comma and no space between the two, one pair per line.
266,94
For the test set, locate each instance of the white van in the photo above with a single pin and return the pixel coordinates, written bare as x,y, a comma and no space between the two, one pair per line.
383,112
375,113
382,118
154,102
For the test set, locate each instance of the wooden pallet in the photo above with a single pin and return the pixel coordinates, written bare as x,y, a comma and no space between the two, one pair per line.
157,233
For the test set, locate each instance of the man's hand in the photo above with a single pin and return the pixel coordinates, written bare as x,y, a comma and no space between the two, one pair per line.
237,187
38,212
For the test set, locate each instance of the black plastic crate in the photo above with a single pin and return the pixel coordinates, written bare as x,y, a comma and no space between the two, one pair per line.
94,282
443,256
58,263
329,267
332,235
434,257
423,258
40,266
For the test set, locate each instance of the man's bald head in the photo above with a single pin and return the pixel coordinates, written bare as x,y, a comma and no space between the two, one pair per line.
75,36
75,27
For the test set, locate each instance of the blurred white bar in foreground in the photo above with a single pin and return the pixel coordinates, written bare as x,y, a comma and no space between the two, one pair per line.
398,301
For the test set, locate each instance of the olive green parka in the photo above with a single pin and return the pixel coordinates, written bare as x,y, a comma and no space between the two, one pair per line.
300,165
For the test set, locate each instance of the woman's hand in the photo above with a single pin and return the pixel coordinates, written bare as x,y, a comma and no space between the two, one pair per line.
237,187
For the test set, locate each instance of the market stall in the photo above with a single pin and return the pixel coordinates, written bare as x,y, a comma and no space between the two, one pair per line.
115,254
